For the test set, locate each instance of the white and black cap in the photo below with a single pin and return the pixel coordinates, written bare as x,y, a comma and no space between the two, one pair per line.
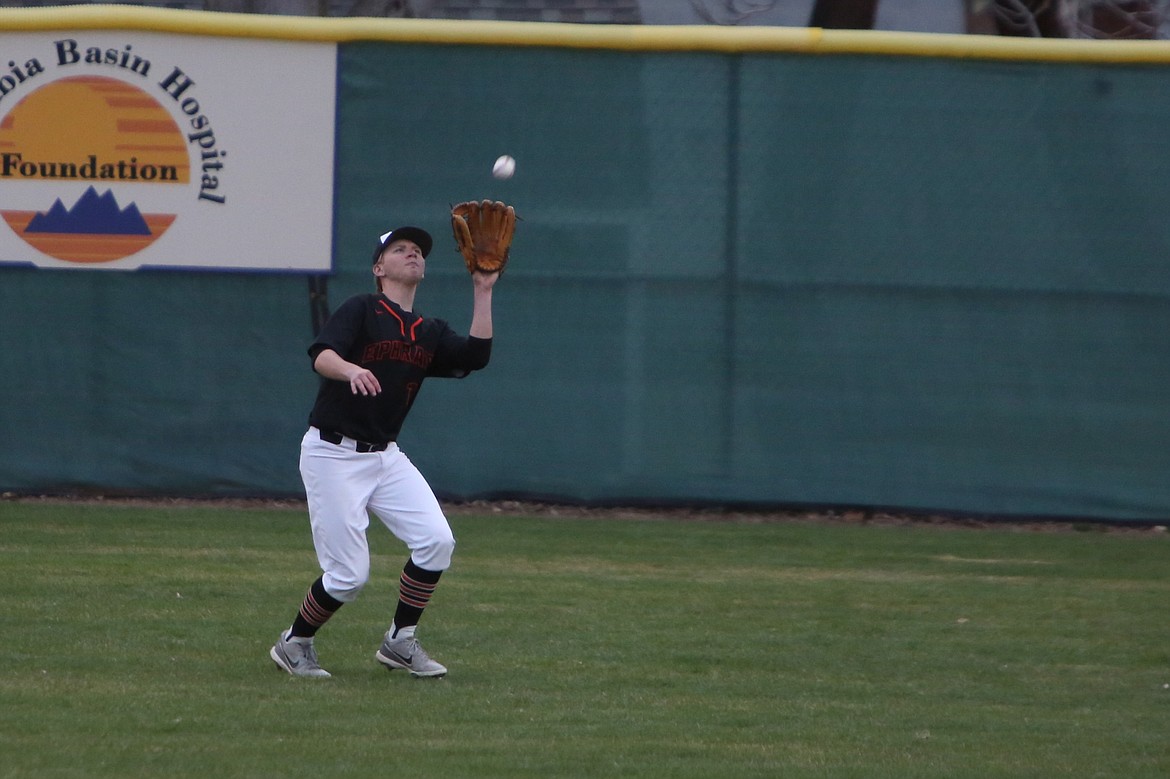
419,236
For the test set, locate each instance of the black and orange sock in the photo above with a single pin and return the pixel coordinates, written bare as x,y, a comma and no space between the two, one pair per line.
318,607
415,588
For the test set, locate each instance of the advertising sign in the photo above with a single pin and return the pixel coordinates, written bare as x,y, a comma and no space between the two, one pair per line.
128,150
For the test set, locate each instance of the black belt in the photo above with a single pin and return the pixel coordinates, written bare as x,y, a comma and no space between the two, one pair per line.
329,437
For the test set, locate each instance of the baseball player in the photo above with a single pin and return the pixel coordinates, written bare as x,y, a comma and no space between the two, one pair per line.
373,354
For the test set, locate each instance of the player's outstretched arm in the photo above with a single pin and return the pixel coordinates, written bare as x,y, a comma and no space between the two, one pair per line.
331,365
481,312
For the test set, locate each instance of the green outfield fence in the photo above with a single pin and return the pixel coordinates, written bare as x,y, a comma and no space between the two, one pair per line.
755,266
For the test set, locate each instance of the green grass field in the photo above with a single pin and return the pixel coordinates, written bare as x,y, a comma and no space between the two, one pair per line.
135,644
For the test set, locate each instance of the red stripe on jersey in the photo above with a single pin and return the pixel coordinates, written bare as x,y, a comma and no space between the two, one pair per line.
401,324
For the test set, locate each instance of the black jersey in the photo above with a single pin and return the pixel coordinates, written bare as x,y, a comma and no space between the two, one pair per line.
401,349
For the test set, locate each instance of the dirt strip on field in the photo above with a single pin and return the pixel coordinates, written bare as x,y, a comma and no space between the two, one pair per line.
552,510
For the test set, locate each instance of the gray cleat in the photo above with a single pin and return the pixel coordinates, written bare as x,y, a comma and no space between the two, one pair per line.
296,658
404,652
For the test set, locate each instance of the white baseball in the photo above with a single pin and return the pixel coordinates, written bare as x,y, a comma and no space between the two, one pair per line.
504,168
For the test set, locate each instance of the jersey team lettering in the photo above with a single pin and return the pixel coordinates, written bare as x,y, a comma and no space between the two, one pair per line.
397,351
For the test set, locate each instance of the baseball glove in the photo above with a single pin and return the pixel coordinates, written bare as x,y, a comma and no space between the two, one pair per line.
483,234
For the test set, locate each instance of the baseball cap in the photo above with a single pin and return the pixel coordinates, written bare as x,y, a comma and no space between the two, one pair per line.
416,234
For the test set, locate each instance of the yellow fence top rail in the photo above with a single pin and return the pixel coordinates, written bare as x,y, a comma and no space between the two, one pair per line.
709,38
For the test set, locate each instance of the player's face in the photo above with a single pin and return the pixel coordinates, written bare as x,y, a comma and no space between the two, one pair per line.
402,261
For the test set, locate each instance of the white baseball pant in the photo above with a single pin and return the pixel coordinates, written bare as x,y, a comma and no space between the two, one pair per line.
343,485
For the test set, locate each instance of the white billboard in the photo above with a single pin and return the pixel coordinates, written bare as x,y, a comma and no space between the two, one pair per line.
127,150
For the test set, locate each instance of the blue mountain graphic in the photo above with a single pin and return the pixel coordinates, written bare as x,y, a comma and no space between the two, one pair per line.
93,213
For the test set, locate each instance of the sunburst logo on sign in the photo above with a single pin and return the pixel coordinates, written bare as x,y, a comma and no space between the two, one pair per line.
107,135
